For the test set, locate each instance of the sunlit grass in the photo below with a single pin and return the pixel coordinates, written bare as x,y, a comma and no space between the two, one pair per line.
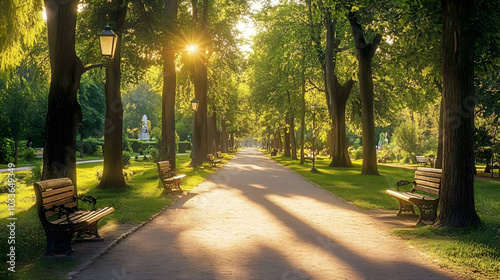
142,199
473,252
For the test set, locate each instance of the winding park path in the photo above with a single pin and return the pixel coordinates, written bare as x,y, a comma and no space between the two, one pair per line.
256,219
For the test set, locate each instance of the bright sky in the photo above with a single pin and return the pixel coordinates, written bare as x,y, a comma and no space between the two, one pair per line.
247,28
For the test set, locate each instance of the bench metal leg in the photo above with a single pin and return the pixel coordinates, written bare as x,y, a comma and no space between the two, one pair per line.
59,241
428,212
405,207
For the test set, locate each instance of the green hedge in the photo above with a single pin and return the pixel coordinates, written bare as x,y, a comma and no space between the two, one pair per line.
184,146
140,145
90,146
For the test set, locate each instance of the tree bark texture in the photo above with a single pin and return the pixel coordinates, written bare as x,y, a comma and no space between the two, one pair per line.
112,175
168,109
337,96
302,117
63,111
169,90
293,143
456,199
439,157
200,116
365,53
223,136
286,139
212,133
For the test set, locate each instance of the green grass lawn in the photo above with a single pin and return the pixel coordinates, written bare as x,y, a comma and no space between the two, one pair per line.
473,252
137,203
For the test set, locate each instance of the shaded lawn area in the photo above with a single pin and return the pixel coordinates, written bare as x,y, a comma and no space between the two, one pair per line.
142,199
473,252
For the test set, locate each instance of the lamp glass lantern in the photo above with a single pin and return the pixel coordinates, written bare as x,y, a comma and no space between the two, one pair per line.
108,40
194,104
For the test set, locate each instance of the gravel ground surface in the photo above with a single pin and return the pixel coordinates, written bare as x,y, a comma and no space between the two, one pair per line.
255,219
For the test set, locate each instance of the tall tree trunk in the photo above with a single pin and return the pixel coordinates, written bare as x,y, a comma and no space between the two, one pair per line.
293,143
223,136
167,151
456,198
201,81
338,95
365,53
302,116
112,175
212,133
286,138
200,116
168,109
278,140
439,157
217,134
63,111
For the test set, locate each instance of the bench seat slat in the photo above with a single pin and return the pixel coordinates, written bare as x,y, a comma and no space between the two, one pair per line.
92,216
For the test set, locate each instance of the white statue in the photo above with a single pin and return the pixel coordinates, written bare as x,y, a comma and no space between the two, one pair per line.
144,124
144,134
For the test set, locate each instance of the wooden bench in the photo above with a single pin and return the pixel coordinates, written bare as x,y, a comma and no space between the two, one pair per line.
212,160
58,212
427,181
425,161
168,177
219,155
274,152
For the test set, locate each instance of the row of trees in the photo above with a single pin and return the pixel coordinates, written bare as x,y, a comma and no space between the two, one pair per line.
151,34
381,63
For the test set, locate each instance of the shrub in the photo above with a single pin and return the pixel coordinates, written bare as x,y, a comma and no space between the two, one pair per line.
184,146
126,155
98,151
98,174
155,155
28,154
6,150
36,170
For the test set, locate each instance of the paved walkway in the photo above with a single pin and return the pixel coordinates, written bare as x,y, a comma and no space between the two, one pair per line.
255,219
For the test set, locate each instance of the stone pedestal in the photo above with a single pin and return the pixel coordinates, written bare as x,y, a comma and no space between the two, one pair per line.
143,136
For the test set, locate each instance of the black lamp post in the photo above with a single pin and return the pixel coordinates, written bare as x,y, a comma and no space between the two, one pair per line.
313,111
108,40
194,106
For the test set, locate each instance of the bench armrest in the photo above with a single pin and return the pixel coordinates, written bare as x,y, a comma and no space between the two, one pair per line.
402,183
62,210
88,198
168,174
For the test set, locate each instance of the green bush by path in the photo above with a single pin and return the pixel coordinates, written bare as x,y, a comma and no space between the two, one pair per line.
138,202
473,252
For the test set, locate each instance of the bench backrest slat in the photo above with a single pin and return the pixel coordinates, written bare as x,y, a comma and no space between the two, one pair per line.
163,167
426,189
54,192
430,179
427,180
59,197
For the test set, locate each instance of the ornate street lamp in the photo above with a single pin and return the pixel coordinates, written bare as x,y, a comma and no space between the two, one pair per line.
108,40
194,104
